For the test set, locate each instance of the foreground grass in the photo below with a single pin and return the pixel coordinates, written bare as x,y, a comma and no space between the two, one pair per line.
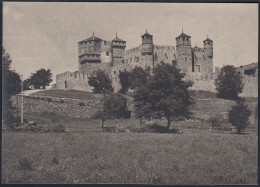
89,155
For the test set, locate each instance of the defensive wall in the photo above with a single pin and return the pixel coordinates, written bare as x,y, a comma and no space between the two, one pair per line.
76,108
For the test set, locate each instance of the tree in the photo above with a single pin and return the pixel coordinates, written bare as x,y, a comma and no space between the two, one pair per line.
101,82
11,84
114,107
142,106
138,77
229,83
41,78
238,115
166,94
124,81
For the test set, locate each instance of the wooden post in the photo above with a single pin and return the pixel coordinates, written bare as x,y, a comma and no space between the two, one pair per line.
22,100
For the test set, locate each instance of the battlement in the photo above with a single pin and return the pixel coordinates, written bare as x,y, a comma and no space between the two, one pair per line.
164,47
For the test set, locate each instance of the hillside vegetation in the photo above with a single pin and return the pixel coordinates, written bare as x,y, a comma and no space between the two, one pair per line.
90,154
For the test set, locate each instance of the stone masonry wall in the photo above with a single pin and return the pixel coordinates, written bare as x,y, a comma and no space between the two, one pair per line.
76,108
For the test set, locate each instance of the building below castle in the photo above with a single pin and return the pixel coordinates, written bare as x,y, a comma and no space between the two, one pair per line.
95,53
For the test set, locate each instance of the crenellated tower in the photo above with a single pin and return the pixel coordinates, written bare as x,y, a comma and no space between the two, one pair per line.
184,52
146,51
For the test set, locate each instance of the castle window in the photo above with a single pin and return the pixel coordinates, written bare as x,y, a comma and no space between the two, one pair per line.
187,39
114,72
137,59
119,71
92,55
186,59
75,75
208,43
125,70
107,53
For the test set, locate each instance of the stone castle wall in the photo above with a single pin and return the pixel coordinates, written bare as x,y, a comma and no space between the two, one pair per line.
75,80
76,108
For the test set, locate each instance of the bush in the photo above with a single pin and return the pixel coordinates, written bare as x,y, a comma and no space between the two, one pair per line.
82,104
216,120
58,128
229,83
239,115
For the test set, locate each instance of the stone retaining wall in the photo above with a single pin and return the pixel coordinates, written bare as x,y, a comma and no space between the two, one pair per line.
77,108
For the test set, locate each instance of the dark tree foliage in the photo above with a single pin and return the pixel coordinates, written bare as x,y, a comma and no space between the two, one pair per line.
101,82
41,78
238,115
138,77
114,107
142,106
11,84
229,83
124,79
165,94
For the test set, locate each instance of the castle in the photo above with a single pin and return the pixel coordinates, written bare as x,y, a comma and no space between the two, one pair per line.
95,53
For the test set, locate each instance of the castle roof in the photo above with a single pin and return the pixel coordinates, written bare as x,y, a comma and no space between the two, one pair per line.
118,39
146,34
208,39
183,35
93,38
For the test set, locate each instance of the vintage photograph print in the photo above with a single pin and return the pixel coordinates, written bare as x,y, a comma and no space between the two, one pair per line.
129,93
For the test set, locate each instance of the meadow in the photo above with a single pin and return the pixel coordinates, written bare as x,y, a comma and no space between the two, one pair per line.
88,154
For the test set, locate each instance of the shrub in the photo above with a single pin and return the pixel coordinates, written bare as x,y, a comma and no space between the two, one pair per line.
82,104
216,120
49,99
25,164
229,83
58,128
238,115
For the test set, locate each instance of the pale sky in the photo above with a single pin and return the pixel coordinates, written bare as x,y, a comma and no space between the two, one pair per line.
45,35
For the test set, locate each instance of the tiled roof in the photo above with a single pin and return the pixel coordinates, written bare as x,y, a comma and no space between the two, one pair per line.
183,35
93,38
118,39
208,39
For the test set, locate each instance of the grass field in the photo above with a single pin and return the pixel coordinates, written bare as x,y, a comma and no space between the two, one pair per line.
90,155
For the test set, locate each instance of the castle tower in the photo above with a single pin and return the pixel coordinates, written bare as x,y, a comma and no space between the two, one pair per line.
208,47
89,52
146,50
118,49
184,52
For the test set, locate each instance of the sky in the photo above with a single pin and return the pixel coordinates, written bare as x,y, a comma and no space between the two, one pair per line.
46,35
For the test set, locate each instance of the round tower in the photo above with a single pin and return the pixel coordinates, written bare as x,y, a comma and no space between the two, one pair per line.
208,47
146,51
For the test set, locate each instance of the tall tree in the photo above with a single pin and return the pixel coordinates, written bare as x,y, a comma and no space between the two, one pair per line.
124,78
166,94
101,82
229,83
41,78
11,84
